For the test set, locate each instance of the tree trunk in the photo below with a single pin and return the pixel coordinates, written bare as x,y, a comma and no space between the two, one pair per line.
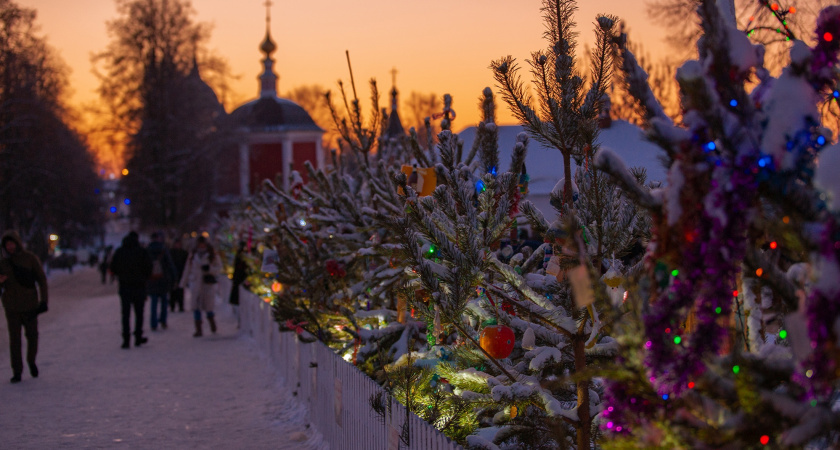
584,440
567,173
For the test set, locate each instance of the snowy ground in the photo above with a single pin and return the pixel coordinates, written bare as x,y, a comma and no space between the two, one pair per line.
174,392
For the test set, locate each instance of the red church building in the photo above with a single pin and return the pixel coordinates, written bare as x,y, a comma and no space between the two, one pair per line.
276,136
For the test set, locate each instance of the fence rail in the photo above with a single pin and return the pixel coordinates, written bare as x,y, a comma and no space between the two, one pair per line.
336,393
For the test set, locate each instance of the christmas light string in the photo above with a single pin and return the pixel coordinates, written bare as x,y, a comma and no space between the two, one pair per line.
780,14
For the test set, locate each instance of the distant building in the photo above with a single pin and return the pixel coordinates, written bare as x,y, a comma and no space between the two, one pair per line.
545,165
275,136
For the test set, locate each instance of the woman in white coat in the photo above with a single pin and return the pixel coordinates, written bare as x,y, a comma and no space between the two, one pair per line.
201,276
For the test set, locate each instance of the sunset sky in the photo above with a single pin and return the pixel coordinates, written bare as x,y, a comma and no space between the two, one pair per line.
436,46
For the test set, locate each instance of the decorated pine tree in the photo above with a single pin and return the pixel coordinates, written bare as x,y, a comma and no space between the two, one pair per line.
731,334
512,337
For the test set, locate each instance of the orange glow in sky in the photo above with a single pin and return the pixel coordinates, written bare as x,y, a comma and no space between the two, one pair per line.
436,46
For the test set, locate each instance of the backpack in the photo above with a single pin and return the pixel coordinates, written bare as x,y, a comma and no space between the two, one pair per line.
157,269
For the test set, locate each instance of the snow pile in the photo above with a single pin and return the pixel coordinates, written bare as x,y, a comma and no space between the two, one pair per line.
826,177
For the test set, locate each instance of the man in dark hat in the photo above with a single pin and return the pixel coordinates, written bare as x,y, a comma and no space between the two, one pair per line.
20,272
132,266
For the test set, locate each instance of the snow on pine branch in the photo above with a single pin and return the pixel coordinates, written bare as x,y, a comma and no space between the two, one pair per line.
608,161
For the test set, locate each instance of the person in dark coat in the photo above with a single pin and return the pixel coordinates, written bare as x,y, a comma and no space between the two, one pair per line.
20,272
161,280
240,273
179,258
132,266
106,261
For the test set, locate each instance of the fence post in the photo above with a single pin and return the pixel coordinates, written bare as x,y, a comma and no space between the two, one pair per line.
335,393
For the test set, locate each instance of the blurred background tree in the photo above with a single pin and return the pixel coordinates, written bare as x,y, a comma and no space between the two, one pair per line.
47,178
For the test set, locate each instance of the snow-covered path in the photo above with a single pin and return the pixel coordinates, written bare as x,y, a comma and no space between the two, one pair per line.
174,392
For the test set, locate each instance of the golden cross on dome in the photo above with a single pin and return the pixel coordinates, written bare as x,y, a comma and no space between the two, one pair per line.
267,11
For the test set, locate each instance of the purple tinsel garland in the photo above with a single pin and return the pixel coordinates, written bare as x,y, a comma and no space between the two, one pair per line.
823,314
710,266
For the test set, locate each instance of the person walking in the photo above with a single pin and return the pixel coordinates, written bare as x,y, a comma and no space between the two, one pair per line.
179,258
240,273
132,266
161,280
105,262
201,276
20,272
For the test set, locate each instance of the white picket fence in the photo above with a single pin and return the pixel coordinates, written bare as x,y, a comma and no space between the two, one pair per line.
336,394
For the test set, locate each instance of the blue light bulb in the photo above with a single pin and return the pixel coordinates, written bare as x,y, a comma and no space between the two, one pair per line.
733,103
479,186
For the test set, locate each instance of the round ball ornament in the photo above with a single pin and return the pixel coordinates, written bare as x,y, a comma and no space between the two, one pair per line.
497,341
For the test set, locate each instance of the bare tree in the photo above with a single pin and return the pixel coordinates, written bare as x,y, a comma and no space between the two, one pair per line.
150,83
47,180
421,108
311,98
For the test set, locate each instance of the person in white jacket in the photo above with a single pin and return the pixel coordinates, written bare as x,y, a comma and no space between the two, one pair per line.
201,277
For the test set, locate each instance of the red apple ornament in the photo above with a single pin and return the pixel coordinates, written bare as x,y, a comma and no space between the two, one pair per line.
497,341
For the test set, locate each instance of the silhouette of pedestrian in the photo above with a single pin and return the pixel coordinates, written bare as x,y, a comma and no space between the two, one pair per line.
132,266
106,261
240,273
20,272
179,257
163,277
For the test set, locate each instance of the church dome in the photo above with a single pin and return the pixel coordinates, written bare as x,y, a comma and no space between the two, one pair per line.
199,92
270,113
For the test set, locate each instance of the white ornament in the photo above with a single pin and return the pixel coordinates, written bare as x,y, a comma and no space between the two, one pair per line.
529,341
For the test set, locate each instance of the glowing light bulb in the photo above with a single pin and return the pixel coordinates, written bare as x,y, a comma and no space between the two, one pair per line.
759,272
828,37
675,272
774,6
691,385
677,340
773,245
718,310
764,440
735,293
782,334
736,369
